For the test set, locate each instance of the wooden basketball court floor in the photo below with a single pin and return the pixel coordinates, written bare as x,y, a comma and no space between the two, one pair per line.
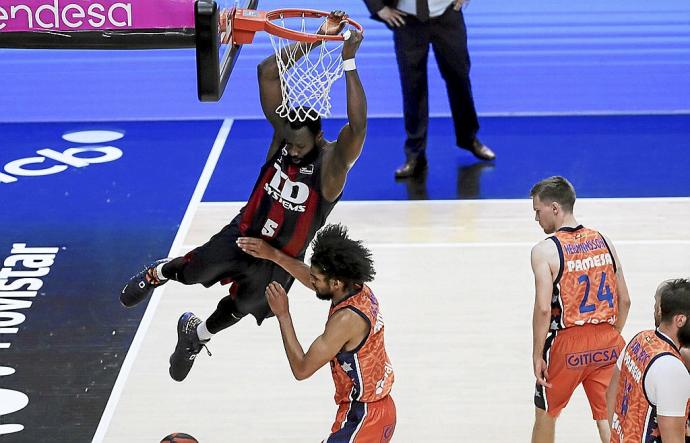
456,289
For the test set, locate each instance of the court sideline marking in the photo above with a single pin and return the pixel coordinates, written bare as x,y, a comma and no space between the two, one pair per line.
201,185
479,244
485,201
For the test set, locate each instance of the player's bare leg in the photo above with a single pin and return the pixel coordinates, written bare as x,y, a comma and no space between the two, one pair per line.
544,430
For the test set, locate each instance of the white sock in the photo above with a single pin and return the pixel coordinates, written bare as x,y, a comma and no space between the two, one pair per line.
203,332
159,271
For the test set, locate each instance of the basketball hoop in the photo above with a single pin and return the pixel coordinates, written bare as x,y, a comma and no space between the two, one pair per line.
306,76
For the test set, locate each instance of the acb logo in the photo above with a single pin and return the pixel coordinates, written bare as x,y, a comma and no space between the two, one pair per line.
92,152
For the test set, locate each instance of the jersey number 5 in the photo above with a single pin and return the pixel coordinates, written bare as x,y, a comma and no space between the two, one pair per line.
269,229
603,294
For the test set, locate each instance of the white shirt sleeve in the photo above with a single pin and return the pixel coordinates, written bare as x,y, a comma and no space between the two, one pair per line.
668,386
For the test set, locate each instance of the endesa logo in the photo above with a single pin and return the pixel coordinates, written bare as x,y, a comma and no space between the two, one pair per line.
600,357
76,156
40,15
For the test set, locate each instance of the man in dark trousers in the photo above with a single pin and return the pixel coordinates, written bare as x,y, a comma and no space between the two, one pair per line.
415,25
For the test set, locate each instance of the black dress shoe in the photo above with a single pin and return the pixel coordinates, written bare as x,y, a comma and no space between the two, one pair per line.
481,151
413,167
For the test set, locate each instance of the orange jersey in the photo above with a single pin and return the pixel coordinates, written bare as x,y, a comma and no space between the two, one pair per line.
364,374
585,289
634,418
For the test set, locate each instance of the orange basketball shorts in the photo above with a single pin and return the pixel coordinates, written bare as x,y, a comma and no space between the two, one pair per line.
579,355
359,422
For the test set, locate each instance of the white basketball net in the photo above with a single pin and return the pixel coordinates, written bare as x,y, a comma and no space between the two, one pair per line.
306,75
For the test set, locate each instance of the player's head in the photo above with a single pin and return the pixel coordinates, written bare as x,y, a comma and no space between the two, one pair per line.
302,137
338,263
672,307
552,199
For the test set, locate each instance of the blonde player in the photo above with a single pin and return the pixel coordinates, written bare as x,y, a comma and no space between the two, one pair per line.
580,307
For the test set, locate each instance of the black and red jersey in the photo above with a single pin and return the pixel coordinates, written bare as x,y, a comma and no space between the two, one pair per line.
286,207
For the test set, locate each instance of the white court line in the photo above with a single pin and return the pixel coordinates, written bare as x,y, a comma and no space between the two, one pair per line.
477,245
583,113
486,201
155,298
385,115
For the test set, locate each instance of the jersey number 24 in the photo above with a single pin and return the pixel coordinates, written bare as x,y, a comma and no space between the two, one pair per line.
603,294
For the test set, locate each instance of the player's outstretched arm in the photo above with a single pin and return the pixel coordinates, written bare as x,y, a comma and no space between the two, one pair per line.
259,248
348,147
269,90
268,74
340,329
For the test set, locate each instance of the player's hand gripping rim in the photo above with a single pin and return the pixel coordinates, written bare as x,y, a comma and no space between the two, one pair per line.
334,23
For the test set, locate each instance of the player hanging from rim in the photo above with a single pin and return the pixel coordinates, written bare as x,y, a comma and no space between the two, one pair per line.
298,186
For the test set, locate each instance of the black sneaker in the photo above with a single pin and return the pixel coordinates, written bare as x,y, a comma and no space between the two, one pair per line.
141,285
188,346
